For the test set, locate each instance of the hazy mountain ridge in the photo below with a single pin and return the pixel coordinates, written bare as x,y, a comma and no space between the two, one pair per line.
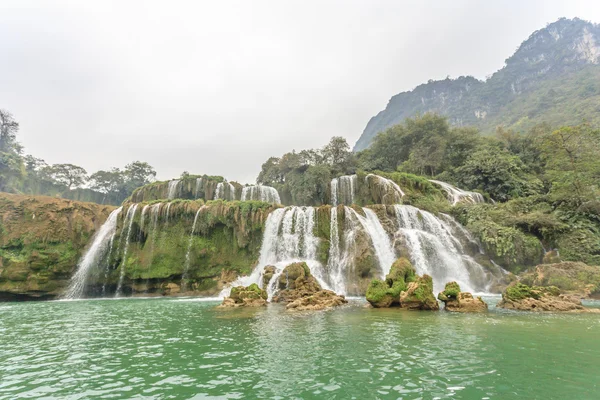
556,70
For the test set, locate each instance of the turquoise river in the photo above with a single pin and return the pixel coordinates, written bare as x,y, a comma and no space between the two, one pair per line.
182,348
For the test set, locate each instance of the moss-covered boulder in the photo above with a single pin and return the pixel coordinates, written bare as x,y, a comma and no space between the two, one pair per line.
521,297
323,299
574,278
419,295
241,296
455,300
304,292
268,273
289,275
387,294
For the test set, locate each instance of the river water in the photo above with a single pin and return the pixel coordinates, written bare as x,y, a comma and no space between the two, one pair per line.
186,349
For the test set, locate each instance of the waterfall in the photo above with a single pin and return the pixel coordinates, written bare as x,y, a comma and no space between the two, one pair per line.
100,244
129,223
288,238
143,218
198,186
334,263
456,195
434,250
225,192
392,193
334,189
173,186
189,249
379,238
261,193
168,211
343,189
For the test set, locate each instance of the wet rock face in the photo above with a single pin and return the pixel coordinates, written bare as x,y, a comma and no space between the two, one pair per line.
455,300
268,273
304,292
241,296
540,298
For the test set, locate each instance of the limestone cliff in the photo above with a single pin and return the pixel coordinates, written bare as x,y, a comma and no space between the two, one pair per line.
41,240
553,77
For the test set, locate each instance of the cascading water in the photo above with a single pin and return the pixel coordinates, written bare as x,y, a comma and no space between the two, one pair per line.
154,214
343,189
456,195
379,238
334,263
189,249
435,251
288,238
261,193
101,243
392,193
225,191
128,222
199,183
173,186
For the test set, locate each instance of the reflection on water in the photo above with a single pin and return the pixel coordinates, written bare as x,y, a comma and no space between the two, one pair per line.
185,348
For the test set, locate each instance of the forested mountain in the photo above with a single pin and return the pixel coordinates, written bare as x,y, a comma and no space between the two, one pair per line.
553,77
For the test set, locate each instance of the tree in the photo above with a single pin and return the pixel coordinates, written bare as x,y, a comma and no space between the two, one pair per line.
12,170
137,174
498,172
107,182
68,175
572,156
8,133
337,151
270,173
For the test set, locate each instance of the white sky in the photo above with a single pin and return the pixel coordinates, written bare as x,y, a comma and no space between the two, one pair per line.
218,87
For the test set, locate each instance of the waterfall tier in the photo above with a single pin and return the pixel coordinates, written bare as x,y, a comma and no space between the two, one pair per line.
456,195
267,194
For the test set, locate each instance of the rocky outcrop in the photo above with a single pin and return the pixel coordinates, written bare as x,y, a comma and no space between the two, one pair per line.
457,301
301,291
41,240
419,295
402,288
387,294
522,297
574,278
241,296
191,187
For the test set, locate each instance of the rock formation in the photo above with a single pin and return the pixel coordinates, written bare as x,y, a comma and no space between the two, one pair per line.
519,296
574,278
301,291
403,288
455,300
240,296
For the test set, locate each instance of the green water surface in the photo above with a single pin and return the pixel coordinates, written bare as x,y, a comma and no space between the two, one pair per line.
186,349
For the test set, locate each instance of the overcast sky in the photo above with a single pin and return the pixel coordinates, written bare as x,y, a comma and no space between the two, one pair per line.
218,87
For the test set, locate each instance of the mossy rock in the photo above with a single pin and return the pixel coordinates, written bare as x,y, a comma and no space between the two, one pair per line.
520,291
401,270
289,275
379,294
419,295
451,292
268,273
241,294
